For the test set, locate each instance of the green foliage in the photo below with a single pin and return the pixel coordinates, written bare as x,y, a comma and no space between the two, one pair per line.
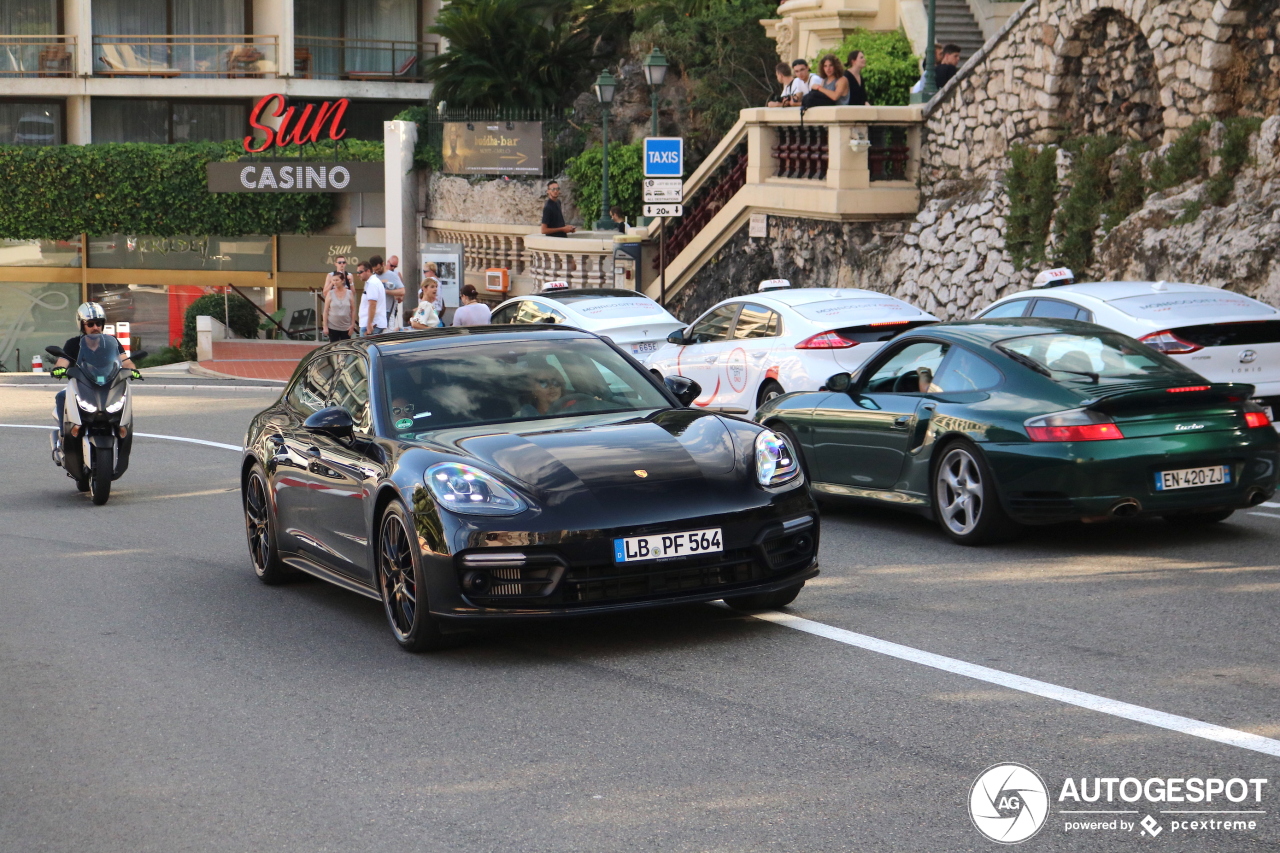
425,154
1234,154
626,172
511,53
726,59
1031,183
238,311
168,355
1183,161
1079,215
1128,191
891,69
136,188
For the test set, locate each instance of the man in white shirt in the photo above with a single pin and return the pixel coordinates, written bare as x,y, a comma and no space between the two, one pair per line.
373,302
802,73
393,286
793,88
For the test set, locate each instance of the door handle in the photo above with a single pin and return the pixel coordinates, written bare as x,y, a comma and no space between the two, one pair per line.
313,452
902,422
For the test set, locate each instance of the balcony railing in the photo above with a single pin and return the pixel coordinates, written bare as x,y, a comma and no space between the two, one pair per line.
326,58
185,56
37,56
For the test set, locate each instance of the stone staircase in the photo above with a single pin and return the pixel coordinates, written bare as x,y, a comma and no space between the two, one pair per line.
241,359
956,23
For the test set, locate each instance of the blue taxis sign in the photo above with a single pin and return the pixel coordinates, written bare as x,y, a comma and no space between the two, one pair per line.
663,157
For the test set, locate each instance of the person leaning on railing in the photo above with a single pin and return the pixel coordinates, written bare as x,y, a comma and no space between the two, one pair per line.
793,88
853,76
834,89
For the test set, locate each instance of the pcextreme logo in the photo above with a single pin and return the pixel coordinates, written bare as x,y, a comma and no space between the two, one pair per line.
1010,803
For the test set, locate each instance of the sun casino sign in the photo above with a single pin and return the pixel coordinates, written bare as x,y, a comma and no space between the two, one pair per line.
297,125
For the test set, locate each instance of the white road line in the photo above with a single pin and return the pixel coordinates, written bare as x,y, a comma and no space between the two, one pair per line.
234,447
1270,504
1267,514
1185,725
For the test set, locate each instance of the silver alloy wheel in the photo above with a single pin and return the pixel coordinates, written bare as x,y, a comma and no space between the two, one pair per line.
396,577
958,491
257,520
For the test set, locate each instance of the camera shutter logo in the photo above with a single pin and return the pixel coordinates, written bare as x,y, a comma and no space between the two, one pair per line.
1008,803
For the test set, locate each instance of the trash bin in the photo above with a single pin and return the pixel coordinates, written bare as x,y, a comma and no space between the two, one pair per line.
626,262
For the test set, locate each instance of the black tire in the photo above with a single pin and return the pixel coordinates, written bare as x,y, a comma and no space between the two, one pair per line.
764,600
260,528
965,502
401,584
104,463
1198,518
768,390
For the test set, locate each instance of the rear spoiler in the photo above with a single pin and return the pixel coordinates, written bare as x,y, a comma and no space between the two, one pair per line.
1191,394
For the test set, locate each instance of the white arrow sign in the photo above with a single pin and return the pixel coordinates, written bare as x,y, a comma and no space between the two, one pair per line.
655,210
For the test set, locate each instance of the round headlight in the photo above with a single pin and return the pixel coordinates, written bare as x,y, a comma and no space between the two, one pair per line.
776,463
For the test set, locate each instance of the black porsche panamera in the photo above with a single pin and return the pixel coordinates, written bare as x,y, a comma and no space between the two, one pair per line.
472,475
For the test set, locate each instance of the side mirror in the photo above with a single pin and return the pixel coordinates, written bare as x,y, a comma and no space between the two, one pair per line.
839,383
684,389
139,355
677,337
334,422
56,352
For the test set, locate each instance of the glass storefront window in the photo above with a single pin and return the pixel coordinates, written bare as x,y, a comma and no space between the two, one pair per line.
40,253
164,121
31,123
155,313
34,315
140,252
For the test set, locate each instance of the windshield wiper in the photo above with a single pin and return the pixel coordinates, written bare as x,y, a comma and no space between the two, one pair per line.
1094,377
1026,361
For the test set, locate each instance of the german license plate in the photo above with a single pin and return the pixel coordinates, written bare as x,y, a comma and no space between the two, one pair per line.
1189,478
644,348
664,546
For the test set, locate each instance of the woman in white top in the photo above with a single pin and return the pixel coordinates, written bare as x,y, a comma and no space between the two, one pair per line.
424,316
339,311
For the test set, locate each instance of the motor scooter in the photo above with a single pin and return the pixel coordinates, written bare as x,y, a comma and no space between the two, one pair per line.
95,437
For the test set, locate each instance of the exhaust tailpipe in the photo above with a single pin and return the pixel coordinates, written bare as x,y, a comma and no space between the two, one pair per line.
1255,496
1126,508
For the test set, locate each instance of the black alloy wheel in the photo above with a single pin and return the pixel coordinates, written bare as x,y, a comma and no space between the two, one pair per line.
965,501
765,600
104,463
404,595
260,529
768,391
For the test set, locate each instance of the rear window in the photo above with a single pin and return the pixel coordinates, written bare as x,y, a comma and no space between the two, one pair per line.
1091,357
880,332
599,308
1171,309
1231,334
858,311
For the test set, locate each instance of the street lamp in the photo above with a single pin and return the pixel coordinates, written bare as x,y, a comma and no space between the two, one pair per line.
655,71
605,86
930,87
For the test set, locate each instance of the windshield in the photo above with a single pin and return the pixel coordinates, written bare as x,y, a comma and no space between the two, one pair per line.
1173,309
99,358
1093,357
521,381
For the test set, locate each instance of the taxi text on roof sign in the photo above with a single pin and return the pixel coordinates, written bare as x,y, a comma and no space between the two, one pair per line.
663,157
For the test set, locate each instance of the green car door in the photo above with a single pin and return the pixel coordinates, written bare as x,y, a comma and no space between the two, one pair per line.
861,438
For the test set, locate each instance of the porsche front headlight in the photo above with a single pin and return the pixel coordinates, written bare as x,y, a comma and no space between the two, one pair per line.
462,488
776,463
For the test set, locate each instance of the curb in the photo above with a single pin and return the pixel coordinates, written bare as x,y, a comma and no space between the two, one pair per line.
197,370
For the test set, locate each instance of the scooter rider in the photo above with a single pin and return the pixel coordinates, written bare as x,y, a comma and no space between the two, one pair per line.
92,320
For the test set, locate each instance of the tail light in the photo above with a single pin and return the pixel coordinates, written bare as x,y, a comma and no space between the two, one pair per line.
1185,388
1255,416
1169,343
826,340
1073,425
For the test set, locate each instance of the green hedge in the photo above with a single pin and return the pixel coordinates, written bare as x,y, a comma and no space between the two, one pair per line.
55,192
892,69
626,173
237,311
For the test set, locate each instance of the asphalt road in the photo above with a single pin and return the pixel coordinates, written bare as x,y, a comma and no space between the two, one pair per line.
155,697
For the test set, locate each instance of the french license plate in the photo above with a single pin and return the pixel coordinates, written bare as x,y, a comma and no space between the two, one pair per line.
1270,415
663,546
644,348
1189,478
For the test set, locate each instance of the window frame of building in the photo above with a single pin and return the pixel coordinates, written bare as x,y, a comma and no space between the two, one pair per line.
172,102
60,103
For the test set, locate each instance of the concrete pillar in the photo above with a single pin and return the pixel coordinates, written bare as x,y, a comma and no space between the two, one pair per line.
275,18
399,139
79,128
760,141
77,18
847,147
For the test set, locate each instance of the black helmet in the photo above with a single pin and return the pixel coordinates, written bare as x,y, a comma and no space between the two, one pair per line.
90,311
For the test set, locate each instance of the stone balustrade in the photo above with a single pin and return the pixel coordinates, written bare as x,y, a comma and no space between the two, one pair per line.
584,259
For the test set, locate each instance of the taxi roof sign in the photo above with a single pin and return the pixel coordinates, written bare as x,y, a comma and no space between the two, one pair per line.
1054,277
555,285
773,284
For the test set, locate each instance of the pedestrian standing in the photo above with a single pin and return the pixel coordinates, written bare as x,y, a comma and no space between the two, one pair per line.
339,274
430,277
339,312
394,289
373,302
473,312
619,221
425,315
553,216
853,76
947,68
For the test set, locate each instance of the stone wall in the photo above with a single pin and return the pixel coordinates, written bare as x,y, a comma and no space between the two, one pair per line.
491,201
1252,79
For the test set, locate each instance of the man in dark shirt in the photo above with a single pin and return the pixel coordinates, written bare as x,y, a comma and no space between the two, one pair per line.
552,216
947,68
92,319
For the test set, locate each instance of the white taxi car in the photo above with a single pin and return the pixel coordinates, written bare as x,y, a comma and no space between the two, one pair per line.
1223,336
749,349
630,319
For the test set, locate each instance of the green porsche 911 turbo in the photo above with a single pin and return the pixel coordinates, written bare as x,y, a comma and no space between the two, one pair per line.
988,425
